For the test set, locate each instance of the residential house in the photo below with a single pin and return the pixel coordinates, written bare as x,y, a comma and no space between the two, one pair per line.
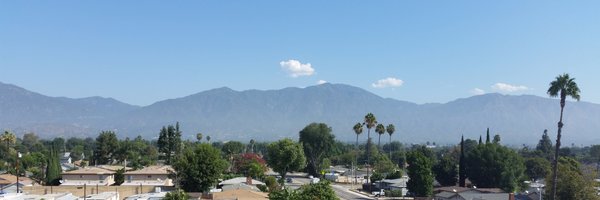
461,193
393,184
148,196
240,195
103,196
89,176
8,183
151,175
56,196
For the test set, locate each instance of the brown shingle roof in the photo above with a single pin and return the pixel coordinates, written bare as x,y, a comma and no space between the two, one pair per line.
6,179
152,170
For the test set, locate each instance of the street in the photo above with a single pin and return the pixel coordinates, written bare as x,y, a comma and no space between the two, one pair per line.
345,194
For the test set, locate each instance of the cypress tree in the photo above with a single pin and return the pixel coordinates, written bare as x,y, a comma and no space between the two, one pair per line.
462,176
53,168
480,142
487,139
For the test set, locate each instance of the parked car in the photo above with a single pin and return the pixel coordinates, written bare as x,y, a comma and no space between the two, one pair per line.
289,180
379,193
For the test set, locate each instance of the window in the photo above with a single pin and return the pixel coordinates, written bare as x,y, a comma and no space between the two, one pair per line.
149,176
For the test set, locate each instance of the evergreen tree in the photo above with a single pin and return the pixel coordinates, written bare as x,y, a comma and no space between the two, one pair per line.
544,146
462,171
480,141
169,142
53,168
487,137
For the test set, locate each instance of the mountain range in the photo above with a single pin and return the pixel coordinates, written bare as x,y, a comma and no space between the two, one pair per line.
267,115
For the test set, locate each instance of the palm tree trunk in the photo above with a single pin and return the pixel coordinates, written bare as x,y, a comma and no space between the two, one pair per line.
379,143
390,147
368,157
555,163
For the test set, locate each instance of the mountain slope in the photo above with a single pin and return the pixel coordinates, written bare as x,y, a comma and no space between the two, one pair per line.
225,114
22,110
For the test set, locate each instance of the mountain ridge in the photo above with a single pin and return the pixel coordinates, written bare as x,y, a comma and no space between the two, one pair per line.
227,114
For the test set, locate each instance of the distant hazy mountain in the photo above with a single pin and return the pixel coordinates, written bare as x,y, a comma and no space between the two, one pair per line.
25,111
225,114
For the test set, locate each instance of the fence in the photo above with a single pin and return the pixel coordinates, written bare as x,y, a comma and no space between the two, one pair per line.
124,191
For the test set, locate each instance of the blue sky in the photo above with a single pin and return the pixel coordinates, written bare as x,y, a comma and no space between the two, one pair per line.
141,52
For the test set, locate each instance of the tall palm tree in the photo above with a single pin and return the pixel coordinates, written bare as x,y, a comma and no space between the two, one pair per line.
370,122
564,86
380,129
252,145
390,130
358,129
8,138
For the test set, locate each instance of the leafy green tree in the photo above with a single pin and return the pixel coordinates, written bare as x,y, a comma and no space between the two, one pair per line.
177,194
419,171
250,164
383,164
271,183
317,191
317,142
574,184
233,148
107,145
169,141
390,130
493,165
446,171
537,168
199,137
595,154
496,139
199,168
285,156
30,140
563,86
53,168
120,176
379,129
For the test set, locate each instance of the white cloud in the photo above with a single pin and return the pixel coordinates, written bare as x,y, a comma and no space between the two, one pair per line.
477,91
504,87
295,68
388,82
321,82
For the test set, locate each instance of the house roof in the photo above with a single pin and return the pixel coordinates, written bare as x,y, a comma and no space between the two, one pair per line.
7,179
113,168
465,189
152,170
486,196
240,195
446,195
240,186
238,180
88,171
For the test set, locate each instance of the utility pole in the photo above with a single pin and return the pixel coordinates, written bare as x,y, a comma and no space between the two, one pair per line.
17,167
